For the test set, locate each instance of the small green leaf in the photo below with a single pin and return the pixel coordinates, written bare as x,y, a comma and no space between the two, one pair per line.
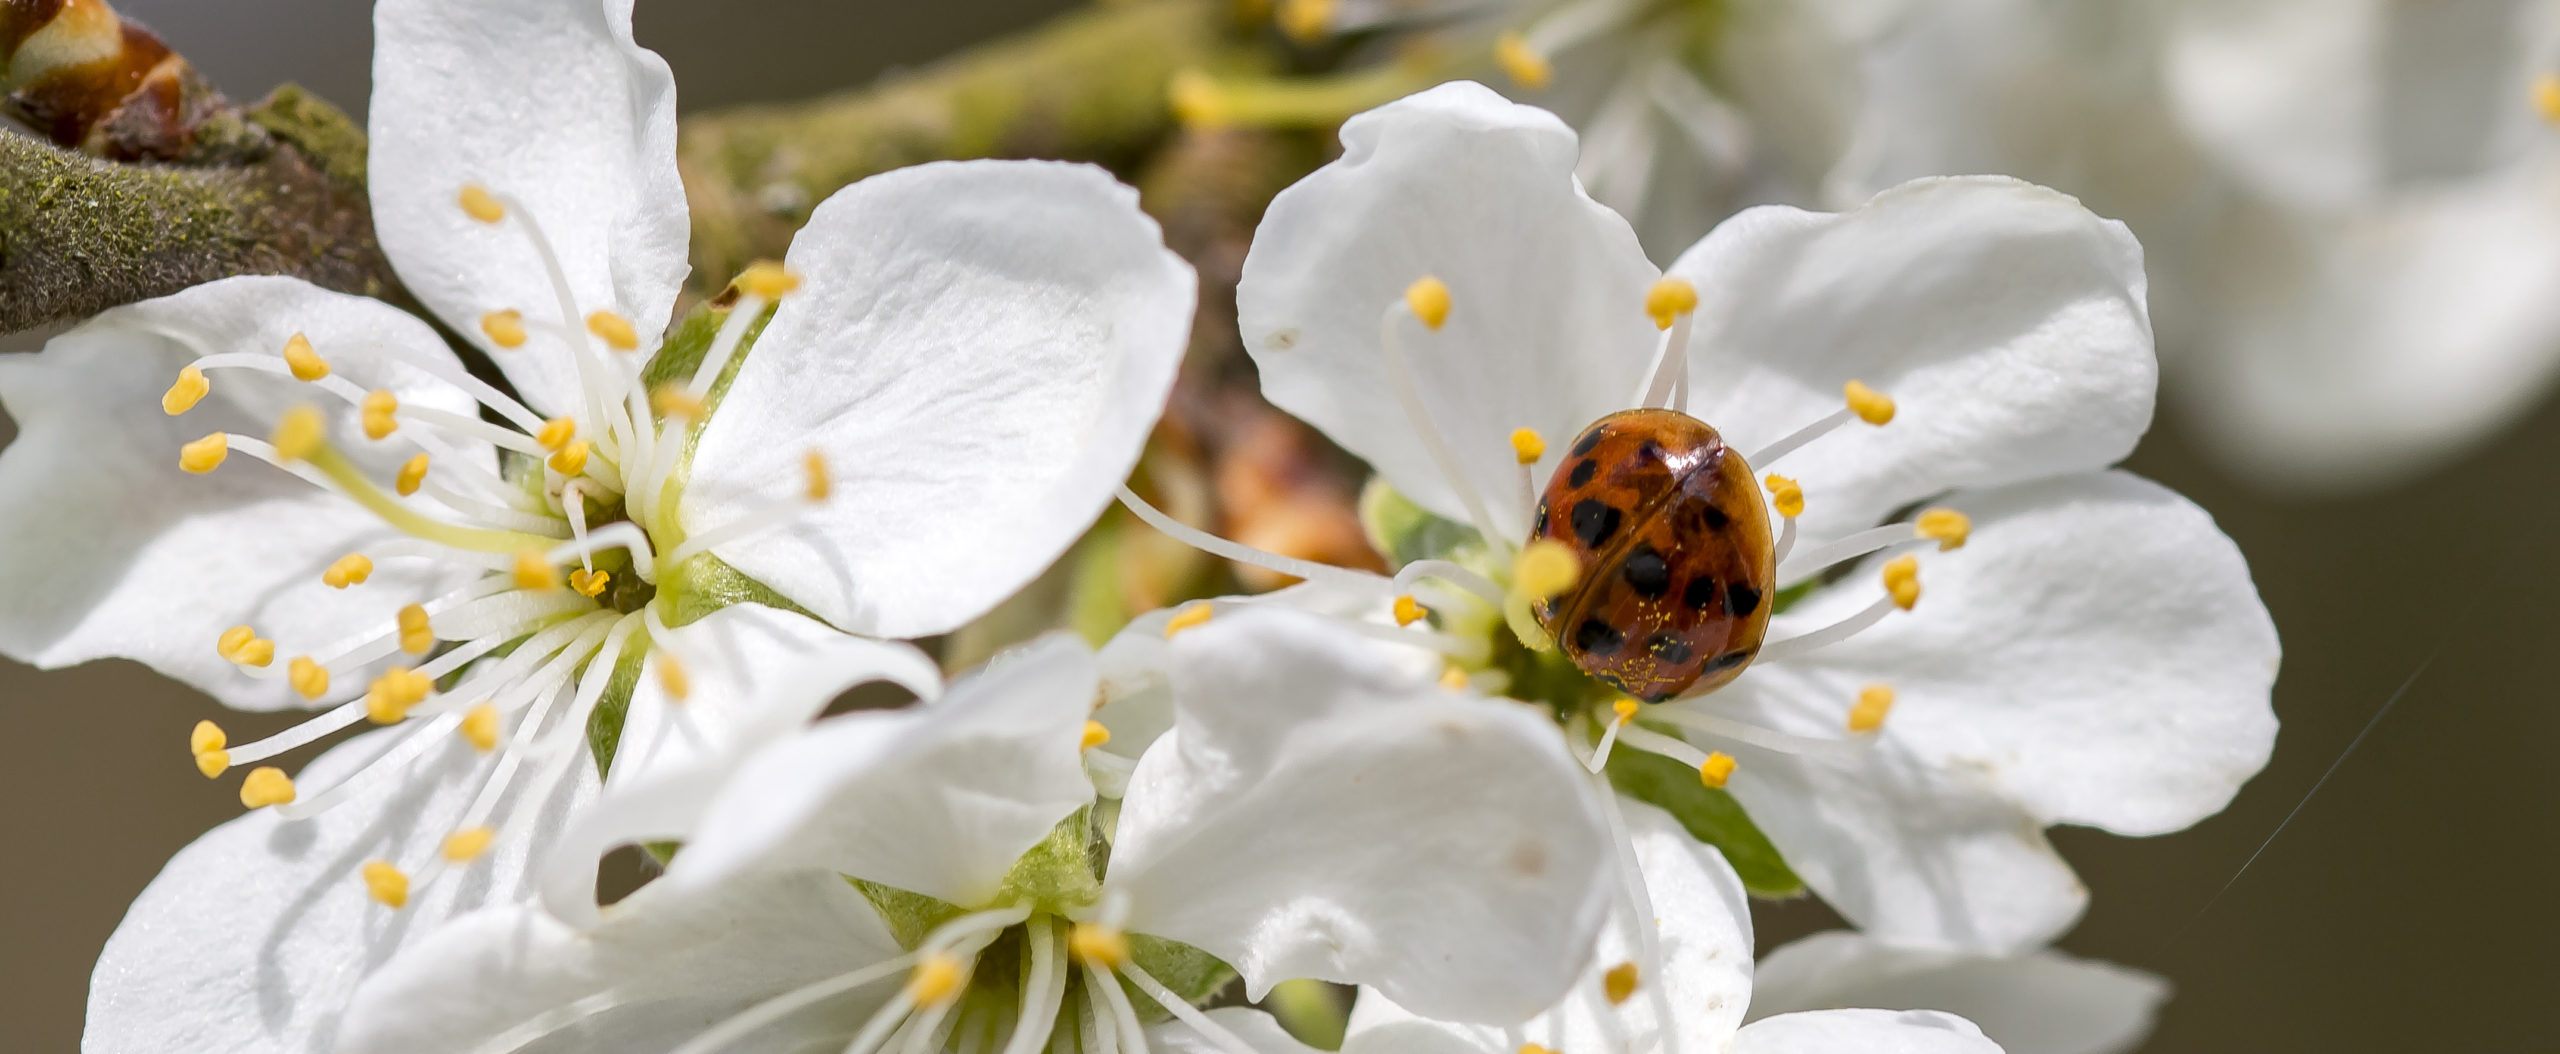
1407,532
604,726
910,916
1711,816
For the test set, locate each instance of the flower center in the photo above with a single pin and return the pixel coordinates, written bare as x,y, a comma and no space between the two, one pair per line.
561,547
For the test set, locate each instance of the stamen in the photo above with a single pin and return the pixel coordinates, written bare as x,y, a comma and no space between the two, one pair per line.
671,400
1902,581
1902,590
466,845
351,569
1544,569
205,744
1527,446
1679,713
505,328
1624,710
1453,677
556,433
1619,983
1238,552
672,677
1098,945
1408,611
1532,1048
481,204
1526,68
1949,527
1483,588
185,392
380,413
1428,299
1126,1033
936,980
204,455
1874,701
1869,404
571,460
242,645
816,467
1785,495
2546,97
1095,734
1715,770
614,330
1182,1009
298,434
386,884
533,571
1305,21
1195,615
266,785
480,727
413,475
416,637
306,363
766,279
1669,299
589,583
213,763
309,679
388,700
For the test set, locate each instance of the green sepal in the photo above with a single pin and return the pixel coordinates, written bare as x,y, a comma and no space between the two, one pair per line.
704,583
910,916
1191,973
683,350
1056,876
604,726
1405,532
1710,815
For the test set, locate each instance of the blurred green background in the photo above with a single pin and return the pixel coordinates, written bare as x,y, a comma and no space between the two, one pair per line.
2410,906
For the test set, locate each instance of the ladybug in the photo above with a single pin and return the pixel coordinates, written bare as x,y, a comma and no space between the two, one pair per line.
1678,565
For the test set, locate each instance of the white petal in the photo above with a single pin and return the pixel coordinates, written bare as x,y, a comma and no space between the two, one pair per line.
1320,810
2096,653
979,350
666,964
2040,1003
1864,1032
756,675
1703,923
115,552
2350,350
1546,328
1259,1031
252,938
1137,663
2330,103
2006,321
940,798
554,106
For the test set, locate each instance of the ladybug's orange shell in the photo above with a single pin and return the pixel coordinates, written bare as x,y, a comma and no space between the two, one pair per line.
1677,563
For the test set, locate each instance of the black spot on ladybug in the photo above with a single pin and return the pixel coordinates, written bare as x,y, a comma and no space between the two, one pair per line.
1714,517
1582,472
1613,682
1539,527
1646,573
1700,593
1728,661
1670,648
1590,438
1649,451
1594,522
1597,637
1741,600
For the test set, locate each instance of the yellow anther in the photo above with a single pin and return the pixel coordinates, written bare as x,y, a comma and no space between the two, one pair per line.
379,406
1625,709
1525,66
480,727
1453,677
1948,526
589,583
242,645
1527,445
1306,21
1094,735
386,885
388,701
413,474
1902,580
1544,569
299,433
1619,983
815,466
614,330
1409,611
1428,299
416,637
2546,97
1716,770
556,433
1870,405
306,364
309,678
466,845
1532,1048
481,204
206,736
213,763
505,328
1188,618
672,676
534,571
1669,299
206,454
351,569
1786,495
1100,945
184,392
1874,701
267,785
571,459
1196,99
767,279
672,400
936,980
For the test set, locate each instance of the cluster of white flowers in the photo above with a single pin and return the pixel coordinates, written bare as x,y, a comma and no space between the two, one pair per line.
614,607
